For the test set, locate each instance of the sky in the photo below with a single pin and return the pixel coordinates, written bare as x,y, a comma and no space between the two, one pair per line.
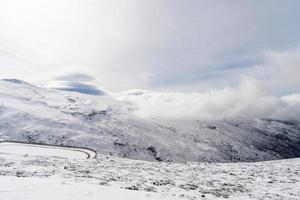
169,45
216,54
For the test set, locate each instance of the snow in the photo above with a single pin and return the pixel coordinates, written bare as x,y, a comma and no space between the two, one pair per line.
60,189
45,150
109,178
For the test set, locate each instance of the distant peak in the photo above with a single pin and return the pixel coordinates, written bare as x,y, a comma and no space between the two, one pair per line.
17,81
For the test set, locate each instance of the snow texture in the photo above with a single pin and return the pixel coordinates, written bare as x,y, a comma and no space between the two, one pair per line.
110,178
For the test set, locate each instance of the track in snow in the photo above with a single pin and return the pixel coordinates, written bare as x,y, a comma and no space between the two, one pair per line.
46,150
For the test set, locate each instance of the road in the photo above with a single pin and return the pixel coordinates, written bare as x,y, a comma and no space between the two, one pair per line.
46,150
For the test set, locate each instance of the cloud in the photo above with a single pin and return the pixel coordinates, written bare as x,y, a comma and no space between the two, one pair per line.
280,71
76,77
292,99
247,101
76,82
255,96
75,87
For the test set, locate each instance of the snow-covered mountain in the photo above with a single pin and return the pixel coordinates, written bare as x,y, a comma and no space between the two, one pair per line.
34,114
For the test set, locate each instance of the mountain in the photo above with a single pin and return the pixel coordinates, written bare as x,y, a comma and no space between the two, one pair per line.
34,114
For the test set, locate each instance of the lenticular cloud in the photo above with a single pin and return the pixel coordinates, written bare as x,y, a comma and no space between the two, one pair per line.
76,82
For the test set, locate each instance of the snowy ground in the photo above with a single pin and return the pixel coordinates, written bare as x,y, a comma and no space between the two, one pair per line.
110,178
61,189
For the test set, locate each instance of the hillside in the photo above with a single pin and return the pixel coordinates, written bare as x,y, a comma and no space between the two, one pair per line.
33,114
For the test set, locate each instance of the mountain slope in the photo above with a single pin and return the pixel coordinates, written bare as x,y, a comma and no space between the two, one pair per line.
34,114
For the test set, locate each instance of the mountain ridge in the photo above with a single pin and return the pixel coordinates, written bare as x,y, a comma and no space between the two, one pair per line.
35,114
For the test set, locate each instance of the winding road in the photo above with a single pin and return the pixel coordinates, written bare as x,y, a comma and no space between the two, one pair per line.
21,148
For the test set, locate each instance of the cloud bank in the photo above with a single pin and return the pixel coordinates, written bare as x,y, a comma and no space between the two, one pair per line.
248,101
253,97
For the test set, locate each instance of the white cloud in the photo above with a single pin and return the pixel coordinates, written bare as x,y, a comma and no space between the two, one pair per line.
280,71
76,82
247,101
292,99
253,98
